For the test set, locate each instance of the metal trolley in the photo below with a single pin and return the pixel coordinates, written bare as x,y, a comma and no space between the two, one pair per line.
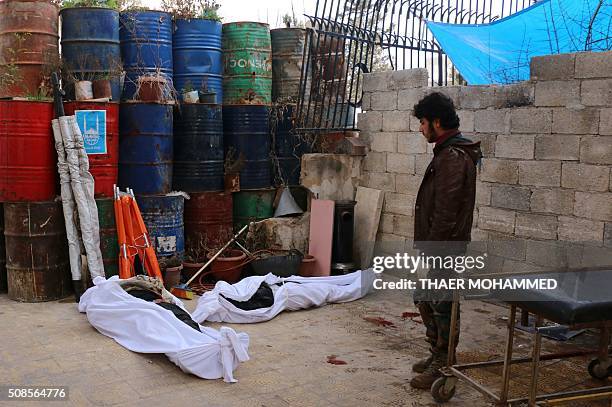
443,389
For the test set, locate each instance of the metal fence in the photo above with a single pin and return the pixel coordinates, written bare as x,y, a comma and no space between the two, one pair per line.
348,38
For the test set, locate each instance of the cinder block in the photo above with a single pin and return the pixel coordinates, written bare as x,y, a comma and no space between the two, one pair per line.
531,120
510,197
400,163
584,177
386,223
476,97
548,254
384,100
499,220
376,81
596,150
450,91
375,161
536,226
415,124
466,120
403,225
556,200
411,143
501,171
514,95
421,163
593,64
608,235
515,146
551,67
605,122
596,92
407,98
487,142
379,180
580,230
399,204
557,93
540,173
483,193
396,121
370,121
383,142
575,121
407,184
408,78
557,147
365,101
596,206
391,238
492,121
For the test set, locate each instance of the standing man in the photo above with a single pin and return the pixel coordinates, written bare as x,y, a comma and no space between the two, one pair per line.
442,219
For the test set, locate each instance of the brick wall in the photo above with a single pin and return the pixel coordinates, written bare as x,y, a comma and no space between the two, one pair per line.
546,175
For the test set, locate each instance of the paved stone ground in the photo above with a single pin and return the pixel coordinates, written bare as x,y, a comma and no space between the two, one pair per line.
52,344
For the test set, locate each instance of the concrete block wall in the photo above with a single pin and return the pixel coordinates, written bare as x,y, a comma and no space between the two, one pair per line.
546,175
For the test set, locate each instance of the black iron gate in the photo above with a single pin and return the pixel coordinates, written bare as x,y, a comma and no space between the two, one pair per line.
350,37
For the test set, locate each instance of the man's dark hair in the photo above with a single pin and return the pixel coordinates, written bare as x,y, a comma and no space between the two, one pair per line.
437,105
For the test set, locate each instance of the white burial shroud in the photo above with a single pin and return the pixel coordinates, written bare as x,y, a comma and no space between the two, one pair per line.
145,327
294,293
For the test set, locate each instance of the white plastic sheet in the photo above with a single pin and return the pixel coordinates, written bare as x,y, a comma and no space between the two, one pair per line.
295,293
145,327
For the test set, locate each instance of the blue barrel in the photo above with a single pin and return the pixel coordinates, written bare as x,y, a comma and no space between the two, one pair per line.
288,147
145,148
198,148
90,46
247,139
198,62
146,46
163,217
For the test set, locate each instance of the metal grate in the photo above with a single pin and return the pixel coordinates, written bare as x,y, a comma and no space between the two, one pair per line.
348,38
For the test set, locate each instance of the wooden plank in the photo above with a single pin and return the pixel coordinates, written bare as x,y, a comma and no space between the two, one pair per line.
367,217
321,235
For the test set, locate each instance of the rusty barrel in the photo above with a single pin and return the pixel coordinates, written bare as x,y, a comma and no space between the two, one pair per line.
2,253
208,221
28,47
99,124
287,59
28,160
108,236
247,64
37,263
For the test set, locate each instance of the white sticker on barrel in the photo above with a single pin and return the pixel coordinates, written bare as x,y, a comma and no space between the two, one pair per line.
93,128
166,244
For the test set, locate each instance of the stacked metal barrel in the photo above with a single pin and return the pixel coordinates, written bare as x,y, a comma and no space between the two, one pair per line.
33,246
247,100
146,143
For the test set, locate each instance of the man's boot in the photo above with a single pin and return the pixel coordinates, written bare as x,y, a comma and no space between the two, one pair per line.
431,373
421,365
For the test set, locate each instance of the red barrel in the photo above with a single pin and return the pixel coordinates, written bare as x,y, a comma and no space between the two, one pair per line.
103,166
28,160
208,221
28,46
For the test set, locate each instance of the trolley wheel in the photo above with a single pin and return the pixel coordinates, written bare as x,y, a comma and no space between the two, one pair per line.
439,391
598,371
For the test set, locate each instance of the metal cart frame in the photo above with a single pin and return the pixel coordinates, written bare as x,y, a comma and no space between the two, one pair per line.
443,389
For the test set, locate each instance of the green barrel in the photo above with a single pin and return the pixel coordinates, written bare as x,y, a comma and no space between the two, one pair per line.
252,206
108,236
247,64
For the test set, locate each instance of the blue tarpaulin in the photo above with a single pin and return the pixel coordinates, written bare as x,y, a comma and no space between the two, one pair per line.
500,52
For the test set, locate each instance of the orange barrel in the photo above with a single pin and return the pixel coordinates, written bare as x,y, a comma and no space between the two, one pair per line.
99,124
37,263
208,221
28,47
28,160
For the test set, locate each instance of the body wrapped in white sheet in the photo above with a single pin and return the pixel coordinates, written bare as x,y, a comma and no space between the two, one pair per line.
295,293
145,327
